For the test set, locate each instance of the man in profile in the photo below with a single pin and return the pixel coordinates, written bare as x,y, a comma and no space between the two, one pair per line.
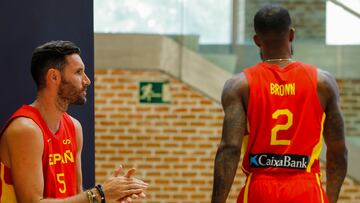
40,145
280,109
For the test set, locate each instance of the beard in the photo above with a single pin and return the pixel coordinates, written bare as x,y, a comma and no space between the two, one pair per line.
69,94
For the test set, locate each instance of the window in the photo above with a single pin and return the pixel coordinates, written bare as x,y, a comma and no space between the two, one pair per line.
209,19
343,22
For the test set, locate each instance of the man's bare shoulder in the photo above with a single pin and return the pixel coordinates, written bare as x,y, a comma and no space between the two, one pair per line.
76,123
324,76
237,82
235,88
327,83
79,133
23,127
22,137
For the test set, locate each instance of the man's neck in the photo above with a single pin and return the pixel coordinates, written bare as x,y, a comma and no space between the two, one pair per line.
49,110
281,57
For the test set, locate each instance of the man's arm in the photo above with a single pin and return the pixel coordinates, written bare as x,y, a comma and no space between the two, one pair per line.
234,126
25,144
79,143
336,154
117,172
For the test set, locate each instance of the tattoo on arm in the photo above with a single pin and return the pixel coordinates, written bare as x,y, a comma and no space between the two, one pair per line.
228,154
336,155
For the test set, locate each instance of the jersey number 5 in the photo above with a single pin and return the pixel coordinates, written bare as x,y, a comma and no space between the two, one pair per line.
274,140
60,178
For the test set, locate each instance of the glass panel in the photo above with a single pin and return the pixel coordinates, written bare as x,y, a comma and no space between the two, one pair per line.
208,18
353,4
342,27
137,16
171,17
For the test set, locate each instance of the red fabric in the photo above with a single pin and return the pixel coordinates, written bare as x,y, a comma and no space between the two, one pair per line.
59,157
7,176
284,188
7,179
0,191
300,99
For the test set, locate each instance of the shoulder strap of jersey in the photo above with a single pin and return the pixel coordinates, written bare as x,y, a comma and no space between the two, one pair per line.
69,123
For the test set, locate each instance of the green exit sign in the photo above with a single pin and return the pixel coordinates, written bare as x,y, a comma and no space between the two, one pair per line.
154,92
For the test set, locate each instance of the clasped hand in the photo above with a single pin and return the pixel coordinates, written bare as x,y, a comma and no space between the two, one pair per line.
123,188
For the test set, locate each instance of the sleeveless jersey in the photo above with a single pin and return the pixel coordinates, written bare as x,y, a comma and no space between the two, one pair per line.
7,194
58,162
285,119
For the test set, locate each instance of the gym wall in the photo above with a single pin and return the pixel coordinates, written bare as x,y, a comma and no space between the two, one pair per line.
24,26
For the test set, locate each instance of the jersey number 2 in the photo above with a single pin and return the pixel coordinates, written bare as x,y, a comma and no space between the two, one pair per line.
274,140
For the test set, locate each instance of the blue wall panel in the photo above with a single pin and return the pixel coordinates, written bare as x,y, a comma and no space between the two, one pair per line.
27,24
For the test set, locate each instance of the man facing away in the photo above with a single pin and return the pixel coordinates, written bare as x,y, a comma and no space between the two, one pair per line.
279,110
40,145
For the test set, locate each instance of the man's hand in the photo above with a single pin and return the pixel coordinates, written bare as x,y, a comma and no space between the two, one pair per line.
122,188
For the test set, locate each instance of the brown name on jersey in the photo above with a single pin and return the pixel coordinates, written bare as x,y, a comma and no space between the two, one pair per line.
282,89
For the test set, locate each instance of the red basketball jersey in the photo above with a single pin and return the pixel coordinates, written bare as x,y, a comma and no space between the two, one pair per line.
285,119
59,156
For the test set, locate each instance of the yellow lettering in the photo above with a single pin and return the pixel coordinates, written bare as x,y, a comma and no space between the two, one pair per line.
51,160
67,141
282,90
274,140
60,177
287,89
57,157
272,89
290,89
68,156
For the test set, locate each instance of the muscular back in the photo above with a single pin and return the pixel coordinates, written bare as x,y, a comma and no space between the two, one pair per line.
284,118
235,101
333,128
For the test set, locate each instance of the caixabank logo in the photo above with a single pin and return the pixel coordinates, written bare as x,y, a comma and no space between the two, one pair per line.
279,161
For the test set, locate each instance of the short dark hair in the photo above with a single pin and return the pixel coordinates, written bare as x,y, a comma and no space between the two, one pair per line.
50,55
272,19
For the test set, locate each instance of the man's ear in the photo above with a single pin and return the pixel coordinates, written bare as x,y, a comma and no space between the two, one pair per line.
257,40
53,76
291,34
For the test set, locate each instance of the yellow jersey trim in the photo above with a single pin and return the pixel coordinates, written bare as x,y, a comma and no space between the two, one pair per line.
246,192
8,192
320,186
317,149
